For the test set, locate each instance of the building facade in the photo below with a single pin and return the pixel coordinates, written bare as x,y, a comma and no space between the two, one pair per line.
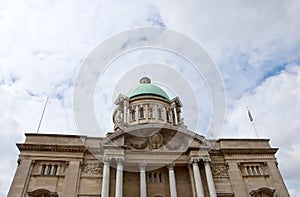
151,153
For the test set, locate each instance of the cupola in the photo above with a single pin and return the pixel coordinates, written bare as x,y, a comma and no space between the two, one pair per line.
145,104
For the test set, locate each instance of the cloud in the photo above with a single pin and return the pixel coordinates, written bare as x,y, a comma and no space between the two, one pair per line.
256,45
274,105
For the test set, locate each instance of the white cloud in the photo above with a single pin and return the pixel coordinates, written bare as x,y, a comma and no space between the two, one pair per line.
274,106
43,44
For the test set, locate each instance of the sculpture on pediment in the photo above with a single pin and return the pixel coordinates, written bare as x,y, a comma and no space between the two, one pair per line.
156,140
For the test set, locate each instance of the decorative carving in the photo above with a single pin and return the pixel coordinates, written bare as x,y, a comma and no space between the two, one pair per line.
36,167
219,170
92,168
263,192
156,140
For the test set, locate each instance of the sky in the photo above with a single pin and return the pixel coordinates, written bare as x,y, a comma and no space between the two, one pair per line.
255,46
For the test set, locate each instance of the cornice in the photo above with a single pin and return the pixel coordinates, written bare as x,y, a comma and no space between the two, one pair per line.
248,151
52,148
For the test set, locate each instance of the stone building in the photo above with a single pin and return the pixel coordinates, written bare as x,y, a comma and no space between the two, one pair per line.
150,153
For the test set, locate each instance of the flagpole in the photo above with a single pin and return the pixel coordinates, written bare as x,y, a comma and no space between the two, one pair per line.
255,129
38,129
252,121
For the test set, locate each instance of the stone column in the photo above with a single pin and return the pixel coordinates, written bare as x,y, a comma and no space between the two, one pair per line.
198,182
172,181
119,177
143,187
210,180
105,180
125,114
192,180
175,115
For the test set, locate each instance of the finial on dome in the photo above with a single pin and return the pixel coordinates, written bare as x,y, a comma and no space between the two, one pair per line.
145,80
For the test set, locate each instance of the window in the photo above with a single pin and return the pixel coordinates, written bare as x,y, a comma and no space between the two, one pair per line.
161,177
155,177
150,111
150,178
49,169
159,113
43,169
167,116
141,112
55,170
42,193
252,169
132,115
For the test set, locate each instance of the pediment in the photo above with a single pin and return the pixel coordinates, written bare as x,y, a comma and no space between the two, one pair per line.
155,137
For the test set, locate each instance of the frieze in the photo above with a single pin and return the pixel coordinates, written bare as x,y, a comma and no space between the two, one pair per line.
92,168
219,170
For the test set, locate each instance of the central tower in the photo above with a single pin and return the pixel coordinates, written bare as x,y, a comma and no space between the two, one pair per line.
146,104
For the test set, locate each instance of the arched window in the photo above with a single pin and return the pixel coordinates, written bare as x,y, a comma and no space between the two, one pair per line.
42,193
141,113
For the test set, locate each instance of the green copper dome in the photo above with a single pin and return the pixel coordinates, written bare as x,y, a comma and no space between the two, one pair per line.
146,88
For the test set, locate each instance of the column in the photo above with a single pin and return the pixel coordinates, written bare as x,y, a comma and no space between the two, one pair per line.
175,115
210,181
143,187
119,177
125,114
172,180
192,180
198,182
105,180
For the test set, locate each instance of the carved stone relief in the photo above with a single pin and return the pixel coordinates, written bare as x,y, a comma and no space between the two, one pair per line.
92,168
36,168
219,170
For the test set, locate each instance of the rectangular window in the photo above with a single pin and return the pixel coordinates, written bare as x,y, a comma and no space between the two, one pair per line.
132,115
49,169
141,112
159,113
149,177
161,177
150,111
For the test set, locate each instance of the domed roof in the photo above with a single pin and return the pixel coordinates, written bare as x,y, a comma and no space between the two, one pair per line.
146,88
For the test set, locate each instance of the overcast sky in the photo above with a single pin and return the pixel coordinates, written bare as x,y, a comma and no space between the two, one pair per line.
255,44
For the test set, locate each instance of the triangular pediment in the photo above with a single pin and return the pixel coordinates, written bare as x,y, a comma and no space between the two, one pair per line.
156,137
